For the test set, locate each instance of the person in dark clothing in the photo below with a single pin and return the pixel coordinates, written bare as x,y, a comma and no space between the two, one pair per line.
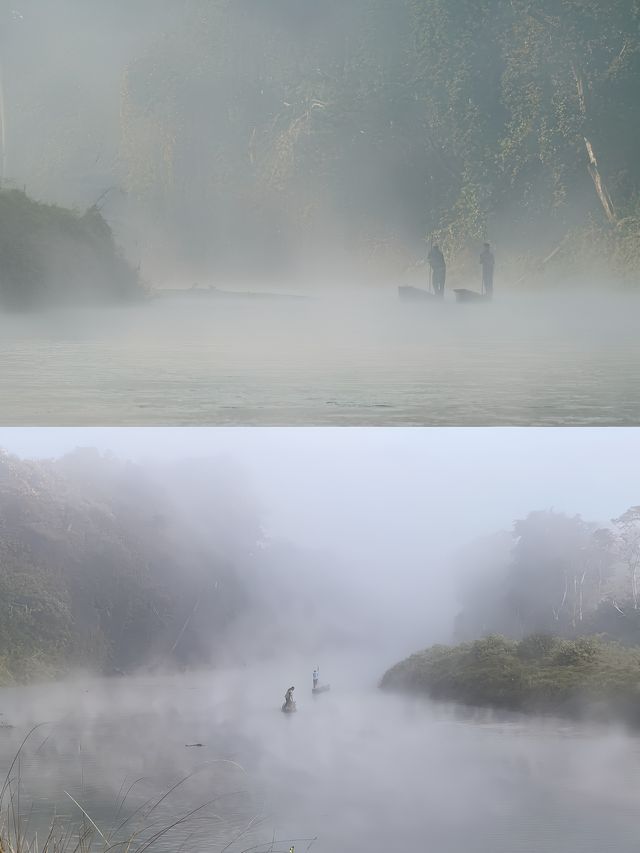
487,262
438,268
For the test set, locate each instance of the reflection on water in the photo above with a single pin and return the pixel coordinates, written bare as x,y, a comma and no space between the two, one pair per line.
358,361
359,769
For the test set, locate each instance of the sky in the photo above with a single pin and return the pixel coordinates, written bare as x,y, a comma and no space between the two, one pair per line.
388,508
370,494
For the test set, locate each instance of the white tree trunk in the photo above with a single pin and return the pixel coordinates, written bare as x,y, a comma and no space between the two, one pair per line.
592,165
598,182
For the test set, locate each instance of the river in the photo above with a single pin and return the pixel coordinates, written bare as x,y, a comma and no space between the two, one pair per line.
326,361
353,768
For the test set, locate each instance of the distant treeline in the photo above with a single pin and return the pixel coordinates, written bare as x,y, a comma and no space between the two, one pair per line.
53,256
256,130
585,677
553,573
109,566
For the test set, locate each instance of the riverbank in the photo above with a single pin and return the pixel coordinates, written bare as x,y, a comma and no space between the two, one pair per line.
585,678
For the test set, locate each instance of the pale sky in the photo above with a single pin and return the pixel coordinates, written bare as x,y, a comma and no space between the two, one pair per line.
373,493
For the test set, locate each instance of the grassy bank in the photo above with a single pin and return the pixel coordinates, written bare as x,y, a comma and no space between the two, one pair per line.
586,677
50,255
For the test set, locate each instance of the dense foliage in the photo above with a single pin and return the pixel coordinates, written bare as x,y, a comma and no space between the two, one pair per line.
50,255
258,130
553,573
544,674
108,565
256,136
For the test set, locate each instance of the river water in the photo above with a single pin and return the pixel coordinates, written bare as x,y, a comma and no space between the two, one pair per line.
353,768
351,361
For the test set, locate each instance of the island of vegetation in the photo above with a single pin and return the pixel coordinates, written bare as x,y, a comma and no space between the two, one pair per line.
549,622
584,678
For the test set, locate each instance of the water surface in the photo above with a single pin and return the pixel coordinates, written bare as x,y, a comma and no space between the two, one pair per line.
358,769
365,360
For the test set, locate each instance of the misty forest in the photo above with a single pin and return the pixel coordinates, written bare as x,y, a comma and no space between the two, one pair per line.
150,625
274,212
250,138
108,566
113,566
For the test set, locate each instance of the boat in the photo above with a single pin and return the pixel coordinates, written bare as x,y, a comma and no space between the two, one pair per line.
212,292
288,709
321,688
415,294
464,295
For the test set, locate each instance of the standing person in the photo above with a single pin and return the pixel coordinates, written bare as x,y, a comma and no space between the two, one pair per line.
316,673
487,262
438,269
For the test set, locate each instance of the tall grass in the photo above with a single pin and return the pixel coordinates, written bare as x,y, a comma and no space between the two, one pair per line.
66,834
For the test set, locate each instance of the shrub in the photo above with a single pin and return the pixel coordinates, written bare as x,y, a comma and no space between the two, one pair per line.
574,652
537,647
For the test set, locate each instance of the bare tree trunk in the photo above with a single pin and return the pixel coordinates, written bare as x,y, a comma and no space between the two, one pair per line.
599,581
598,182
580,597
592,165
556,613
184,627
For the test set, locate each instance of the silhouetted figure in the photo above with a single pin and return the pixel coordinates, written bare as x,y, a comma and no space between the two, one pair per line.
438,269
487,262
316,673
288,697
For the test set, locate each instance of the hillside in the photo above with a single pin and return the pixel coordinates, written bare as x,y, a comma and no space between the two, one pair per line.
53,256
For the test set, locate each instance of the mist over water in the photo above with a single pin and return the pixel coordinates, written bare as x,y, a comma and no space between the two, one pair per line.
152,148
341,360
356,768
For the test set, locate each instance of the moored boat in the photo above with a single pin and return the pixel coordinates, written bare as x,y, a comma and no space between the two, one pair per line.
415,294
464,295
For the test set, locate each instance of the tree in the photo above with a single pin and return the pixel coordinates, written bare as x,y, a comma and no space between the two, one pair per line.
548,575
627,528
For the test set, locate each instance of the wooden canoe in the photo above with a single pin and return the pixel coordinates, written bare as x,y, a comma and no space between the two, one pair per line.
415,294
463,295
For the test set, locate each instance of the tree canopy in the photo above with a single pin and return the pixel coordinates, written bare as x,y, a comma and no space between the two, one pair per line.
553,573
